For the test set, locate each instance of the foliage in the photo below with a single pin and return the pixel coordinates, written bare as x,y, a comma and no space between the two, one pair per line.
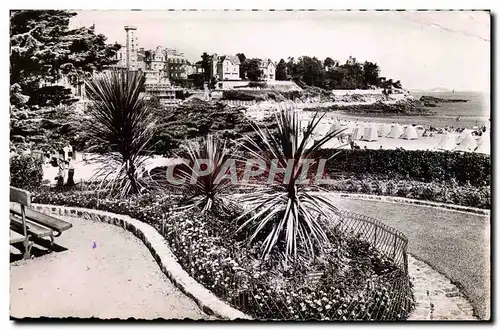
358,282
204,190
205,65
448,193
195,119
281,70
330,75
422,165
281,209
43,49
25,172
120,119
251,69
242,58
257,84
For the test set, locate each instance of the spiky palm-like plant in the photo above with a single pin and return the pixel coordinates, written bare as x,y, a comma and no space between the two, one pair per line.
120,120
212,155
285,213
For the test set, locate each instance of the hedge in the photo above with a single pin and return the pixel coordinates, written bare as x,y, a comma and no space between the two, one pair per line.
426,166
26,172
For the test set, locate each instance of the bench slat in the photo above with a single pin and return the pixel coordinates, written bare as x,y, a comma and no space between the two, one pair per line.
15,237
33,228
44,219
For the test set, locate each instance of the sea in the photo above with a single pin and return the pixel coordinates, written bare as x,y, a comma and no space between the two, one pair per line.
475,112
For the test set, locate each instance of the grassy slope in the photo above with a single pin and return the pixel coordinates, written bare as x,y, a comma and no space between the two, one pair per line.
453,243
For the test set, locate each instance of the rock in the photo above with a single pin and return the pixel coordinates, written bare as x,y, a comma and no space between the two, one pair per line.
38,138
49,124
66,128
18,138
433,99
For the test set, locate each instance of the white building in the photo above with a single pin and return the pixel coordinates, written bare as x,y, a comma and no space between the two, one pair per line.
131,47
268,70
228,67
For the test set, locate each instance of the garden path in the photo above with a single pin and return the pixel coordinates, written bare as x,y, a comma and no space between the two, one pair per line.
106,272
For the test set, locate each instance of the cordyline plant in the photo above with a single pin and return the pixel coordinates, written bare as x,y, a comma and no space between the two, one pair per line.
119,120
203,174
285,213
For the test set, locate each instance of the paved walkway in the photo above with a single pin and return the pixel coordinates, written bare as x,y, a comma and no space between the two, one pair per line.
106,272
455,244
436,297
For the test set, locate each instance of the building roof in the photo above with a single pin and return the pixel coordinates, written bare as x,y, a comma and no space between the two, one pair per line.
233,58
264,63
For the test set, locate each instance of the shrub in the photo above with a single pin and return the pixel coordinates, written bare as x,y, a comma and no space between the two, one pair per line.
427,166
257,84
238,95
450,192
26,172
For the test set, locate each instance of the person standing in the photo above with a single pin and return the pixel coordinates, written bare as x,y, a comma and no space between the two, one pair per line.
62,172
71,173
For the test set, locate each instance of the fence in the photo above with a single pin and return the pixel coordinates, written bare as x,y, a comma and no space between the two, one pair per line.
385,239
239,103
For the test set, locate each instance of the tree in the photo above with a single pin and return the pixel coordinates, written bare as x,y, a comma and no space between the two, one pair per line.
251,67
328,62
311,71
282,214
371,73
120,119
242,59
281,70
43,49
397,84
205,65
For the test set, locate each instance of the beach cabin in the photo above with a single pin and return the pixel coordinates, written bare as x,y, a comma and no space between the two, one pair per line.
448,142
396,131
370,133
357,133
384,130
483,145
467,144
410,133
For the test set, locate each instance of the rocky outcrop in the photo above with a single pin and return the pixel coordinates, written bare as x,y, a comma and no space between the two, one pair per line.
434,100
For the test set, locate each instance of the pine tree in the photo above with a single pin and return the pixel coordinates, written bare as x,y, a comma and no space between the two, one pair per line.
43,49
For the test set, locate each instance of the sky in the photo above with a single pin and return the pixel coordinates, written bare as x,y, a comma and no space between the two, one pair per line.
424,50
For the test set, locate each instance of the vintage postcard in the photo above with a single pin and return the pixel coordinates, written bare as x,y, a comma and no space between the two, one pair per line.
222,165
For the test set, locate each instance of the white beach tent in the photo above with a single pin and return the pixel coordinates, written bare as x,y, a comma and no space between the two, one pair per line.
349,128
448,141
396,131
467,144
384,130
357,133
370,133
335,143
410,133
483,145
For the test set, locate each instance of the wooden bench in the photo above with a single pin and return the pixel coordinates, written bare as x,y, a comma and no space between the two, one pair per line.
27,224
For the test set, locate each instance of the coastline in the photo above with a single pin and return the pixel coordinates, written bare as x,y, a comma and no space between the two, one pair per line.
403,108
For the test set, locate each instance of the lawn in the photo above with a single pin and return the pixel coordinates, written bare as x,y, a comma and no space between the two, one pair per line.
454,243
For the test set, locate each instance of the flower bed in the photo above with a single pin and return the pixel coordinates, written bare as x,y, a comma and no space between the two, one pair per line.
356,282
